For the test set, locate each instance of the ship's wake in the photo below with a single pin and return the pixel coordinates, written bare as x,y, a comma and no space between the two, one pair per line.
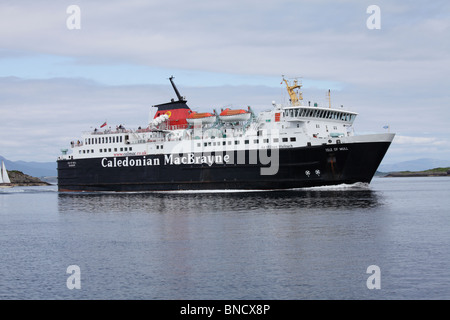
340,187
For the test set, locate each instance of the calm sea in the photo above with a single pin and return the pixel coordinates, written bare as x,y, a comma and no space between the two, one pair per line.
302,244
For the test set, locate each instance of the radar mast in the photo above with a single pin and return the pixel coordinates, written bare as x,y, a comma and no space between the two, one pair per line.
295,95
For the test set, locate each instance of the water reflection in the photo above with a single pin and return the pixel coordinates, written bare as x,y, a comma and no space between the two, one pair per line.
275,201
242,245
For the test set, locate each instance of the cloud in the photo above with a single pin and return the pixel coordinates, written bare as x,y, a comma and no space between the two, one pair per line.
320,39
406,140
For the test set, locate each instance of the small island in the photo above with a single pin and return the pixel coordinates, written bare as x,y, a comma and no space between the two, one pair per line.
18,178
436,172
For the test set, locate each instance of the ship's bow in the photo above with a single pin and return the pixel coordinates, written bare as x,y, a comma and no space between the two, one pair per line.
367,152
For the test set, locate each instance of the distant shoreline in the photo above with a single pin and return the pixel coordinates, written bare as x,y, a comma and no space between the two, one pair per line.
20,179
436,172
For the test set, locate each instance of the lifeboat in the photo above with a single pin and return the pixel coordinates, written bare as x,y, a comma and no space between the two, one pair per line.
229,115
203,117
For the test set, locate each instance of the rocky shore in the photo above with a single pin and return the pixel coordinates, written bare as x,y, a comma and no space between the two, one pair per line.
19,178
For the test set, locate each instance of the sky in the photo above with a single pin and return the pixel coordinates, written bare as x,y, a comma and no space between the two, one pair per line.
63,72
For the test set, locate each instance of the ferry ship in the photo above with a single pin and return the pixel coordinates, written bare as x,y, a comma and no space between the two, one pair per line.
289,146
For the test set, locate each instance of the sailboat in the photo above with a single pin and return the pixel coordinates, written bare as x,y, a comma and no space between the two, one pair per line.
5,182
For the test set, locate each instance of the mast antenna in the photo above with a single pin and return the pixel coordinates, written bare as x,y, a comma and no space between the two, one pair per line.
180,98
329,99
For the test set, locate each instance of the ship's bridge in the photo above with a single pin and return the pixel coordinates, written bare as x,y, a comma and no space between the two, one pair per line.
305,113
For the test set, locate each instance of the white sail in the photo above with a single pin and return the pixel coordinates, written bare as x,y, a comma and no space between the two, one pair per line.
5,176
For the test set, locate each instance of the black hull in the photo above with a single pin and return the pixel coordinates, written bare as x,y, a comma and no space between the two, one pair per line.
298,167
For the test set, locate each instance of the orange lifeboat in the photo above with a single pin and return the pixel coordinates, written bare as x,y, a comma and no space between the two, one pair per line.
203,117
229,115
